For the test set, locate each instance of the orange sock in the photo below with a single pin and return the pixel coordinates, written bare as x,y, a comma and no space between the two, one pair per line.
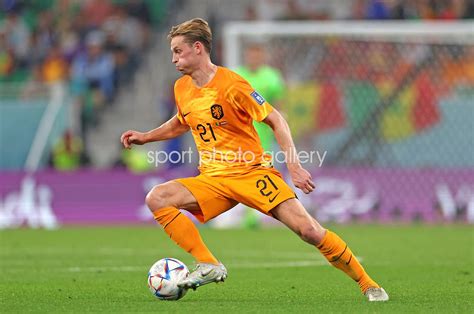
340,256
183,231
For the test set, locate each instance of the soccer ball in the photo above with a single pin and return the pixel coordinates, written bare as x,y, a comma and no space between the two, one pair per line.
164,276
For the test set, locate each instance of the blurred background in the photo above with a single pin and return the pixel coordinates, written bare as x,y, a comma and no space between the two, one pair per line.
382,91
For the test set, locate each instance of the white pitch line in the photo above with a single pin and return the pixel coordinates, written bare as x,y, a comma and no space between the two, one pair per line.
93,269
238,265
302,263
134,252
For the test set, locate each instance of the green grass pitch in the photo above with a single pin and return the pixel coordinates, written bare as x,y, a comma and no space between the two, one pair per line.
423,268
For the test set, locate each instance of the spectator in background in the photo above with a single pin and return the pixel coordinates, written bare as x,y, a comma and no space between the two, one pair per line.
96,12
451,10
268,9
92,80
126,28
56,40
358,10
299,10
69,27
42,37
18,38
52,69
55,67
125,39
135,161
378,10
468,10
308,10
94,67
81,26
67,154
403,9
424,9
6,56
123,66
64,12
69,40
139,10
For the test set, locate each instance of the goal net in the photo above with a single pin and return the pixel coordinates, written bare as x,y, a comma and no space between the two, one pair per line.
377,96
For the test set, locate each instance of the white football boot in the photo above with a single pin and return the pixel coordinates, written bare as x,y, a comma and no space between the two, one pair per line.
376,294
203,274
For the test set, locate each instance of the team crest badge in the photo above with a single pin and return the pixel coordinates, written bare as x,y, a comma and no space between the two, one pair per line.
217,112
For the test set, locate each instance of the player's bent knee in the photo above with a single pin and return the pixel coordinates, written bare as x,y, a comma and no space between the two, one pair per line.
309,233
157,198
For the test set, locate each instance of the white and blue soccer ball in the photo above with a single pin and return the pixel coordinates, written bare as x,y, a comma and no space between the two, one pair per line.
164,276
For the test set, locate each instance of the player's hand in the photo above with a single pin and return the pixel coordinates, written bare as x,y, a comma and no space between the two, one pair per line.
132,137
302,179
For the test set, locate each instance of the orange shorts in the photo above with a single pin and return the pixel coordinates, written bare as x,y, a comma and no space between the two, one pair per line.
262,189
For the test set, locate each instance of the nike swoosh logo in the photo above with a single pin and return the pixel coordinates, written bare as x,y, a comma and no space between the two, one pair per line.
349,260
185,114
273,198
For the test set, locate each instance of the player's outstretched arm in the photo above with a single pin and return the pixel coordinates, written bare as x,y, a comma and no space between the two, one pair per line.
168,130
301,178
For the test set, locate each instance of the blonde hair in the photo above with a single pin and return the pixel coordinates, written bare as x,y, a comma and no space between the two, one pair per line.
193,30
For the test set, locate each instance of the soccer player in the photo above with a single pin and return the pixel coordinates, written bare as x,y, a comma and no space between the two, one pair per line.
269,83
219,106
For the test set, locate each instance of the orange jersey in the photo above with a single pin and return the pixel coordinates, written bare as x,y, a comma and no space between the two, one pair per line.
220,115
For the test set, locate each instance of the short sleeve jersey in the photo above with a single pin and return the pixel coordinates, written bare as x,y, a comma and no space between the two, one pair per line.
220,116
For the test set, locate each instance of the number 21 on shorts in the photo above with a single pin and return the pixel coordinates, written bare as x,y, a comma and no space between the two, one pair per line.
267,188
